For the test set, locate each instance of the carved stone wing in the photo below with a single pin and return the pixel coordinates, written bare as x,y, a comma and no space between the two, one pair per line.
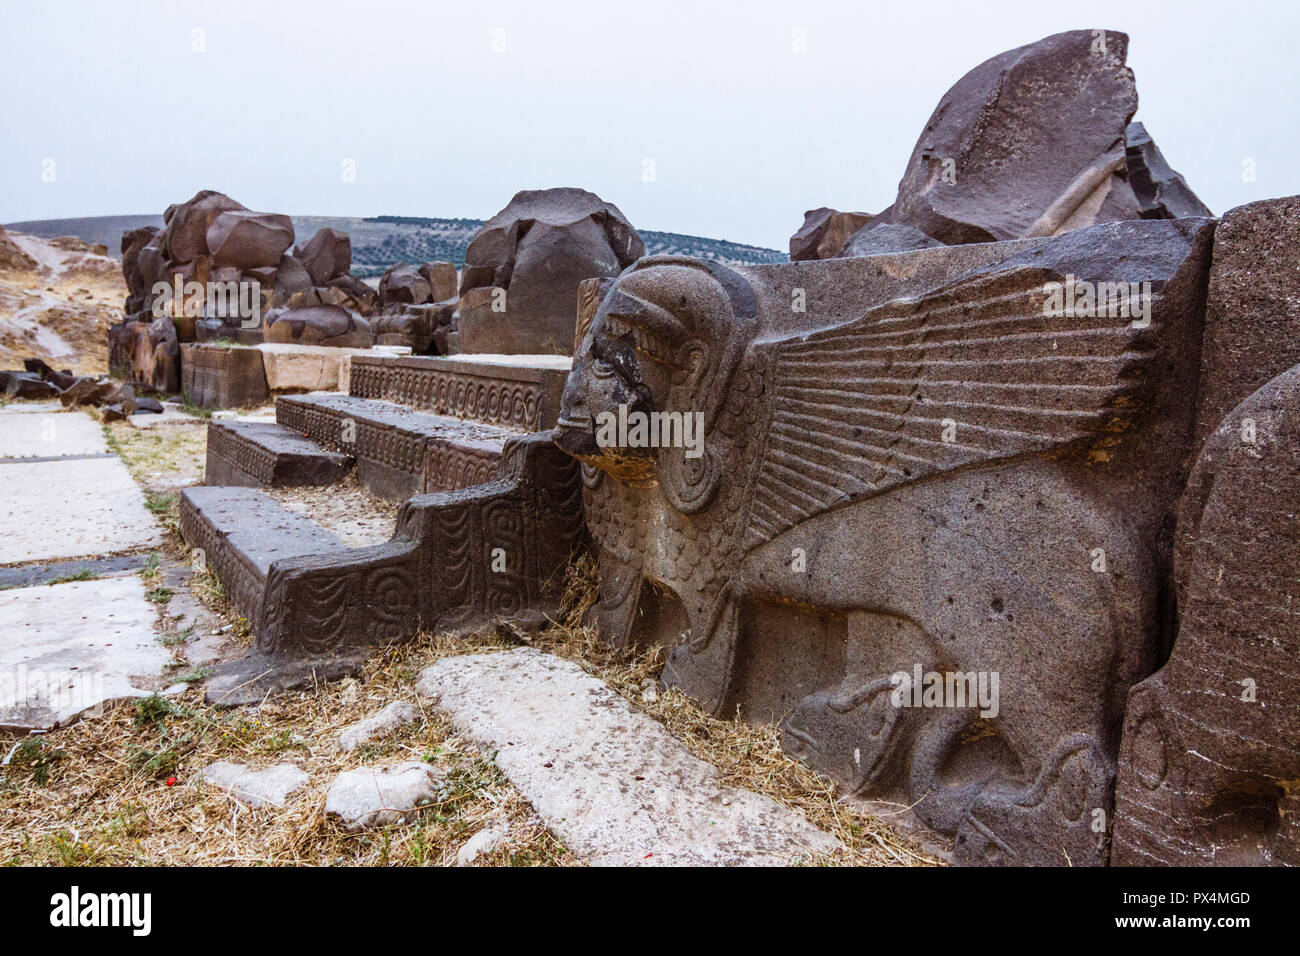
970,373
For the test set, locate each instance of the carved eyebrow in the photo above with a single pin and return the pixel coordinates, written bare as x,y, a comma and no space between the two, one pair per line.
617,327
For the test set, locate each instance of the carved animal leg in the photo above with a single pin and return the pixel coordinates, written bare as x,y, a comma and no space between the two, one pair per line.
1069,803
620,592
703,667
856,732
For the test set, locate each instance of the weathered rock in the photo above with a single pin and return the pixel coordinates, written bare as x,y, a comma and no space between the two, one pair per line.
609,780
1252,310
396,716
415,326
271,787
248,239
185,236
536,251
1209,759
826,536
1208,762
1029,143
133,243
442,280
87,391
318,325
371,797
883,237
1161,192
326,255
824,232
403,283
26,385
291,277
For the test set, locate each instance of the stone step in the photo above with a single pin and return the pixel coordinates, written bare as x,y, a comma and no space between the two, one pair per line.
241,531
520,392
399,451
267,455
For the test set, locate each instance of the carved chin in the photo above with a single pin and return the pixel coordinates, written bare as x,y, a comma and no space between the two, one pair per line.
625,464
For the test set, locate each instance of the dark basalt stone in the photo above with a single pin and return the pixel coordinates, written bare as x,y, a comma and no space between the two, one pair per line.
318,325
824,233
1161,192
916,472
520,283
1029,143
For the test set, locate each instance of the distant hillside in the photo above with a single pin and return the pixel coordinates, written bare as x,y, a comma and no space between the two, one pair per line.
380,241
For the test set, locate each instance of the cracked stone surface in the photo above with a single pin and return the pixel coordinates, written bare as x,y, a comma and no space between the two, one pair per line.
390,720
609,780
375,797
69,648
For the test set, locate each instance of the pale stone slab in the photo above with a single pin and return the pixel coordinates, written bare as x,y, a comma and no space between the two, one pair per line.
50,435
255,788
70,509
65,649
303,368
376,797
609,780
24,407
394,717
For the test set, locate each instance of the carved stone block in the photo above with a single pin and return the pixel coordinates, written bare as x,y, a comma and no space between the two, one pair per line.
938,461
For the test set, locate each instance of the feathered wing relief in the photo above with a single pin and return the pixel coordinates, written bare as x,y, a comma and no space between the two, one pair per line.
982,369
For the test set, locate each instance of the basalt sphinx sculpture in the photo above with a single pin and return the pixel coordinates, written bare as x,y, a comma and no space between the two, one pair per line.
924,459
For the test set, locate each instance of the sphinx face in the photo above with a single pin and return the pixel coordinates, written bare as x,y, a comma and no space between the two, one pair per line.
610,379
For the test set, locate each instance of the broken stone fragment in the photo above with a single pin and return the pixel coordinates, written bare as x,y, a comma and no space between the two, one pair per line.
185,237
1029,143
538,250
256,788
326,255
249,239
318,325
373,797
824,232
1161,191
390,720
877,238
403,284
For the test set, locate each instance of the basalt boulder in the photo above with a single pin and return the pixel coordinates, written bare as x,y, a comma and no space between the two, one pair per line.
824,233
1029,143
137,289
532,255
442,280
248,239
319,325
403,284
187,224
326,255
1161,191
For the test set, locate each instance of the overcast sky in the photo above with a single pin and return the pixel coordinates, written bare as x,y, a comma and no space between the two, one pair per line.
692,117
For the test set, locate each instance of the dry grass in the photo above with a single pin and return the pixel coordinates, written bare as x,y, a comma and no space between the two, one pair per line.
97,793
748,755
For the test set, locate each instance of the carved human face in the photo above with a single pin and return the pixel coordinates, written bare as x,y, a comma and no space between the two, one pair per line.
611,376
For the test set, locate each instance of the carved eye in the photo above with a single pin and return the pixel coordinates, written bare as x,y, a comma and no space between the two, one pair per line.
600,368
